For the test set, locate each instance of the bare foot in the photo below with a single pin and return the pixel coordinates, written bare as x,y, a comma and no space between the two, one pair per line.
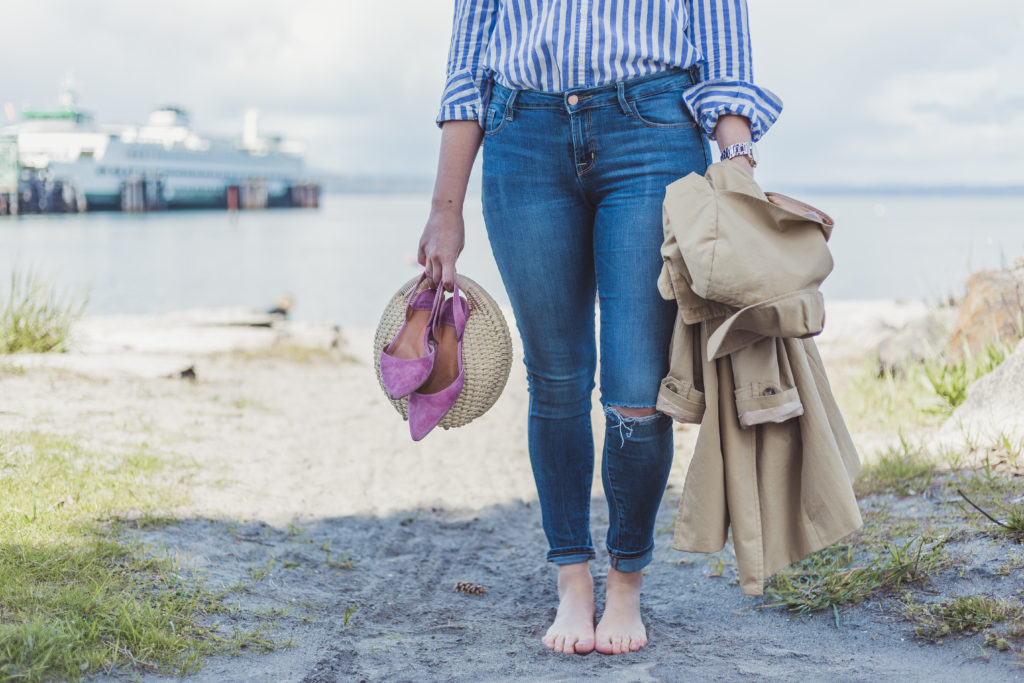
621,629
573,628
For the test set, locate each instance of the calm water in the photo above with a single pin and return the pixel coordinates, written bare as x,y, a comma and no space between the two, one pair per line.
342,262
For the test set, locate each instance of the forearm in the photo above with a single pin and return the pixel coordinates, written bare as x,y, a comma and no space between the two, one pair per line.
460,141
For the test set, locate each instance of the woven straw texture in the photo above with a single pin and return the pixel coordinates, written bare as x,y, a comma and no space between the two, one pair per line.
486,351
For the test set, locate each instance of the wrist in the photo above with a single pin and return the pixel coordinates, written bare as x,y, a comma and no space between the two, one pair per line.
445,206
731,129
745,151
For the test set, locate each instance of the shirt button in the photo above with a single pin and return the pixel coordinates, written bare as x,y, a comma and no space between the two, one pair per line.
573,100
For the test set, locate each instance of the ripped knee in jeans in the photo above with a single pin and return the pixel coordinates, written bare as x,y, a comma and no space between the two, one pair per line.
625,418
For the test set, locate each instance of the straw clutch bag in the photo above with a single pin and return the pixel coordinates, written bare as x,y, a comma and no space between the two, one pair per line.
486,351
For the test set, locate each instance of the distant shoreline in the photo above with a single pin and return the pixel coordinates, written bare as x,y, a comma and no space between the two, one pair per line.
343,184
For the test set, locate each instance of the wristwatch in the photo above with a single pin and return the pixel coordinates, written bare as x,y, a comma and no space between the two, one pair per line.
741,149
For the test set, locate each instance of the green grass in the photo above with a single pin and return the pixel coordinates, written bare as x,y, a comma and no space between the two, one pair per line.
73,600
35,317
841,575
951,380
923,395
965,614
904,470
886,403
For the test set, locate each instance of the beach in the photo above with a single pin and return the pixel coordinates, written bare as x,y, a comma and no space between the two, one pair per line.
306,505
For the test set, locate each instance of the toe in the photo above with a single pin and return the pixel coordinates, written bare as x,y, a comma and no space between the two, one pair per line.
584,645
549,641
634,644
559,643
570,645
617,644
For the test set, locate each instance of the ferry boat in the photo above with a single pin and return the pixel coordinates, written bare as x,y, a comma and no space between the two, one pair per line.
163,164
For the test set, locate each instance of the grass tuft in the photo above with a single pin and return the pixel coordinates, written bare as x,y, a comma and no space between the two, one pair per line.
904,470
965,614
831,578
950,381
922,395
35,318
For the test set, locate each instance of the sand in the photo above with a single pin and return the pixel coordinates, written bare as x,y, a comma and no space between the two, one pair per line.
304,468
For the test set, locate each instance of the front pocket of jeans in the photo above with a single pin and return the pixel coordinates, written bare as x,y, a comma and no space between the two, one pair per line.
664,110
495,120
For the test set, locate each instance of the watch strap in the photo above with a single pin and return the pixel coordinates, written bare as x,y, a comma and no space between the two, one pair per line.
740,149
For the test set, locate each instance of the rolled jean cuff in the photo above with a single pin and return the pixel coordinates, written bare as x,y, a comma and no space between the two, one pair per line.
571,555
631,562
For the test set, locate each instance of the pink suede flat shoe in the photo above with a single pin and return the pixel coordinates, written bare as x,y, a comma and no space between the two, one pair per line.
432,401
407,361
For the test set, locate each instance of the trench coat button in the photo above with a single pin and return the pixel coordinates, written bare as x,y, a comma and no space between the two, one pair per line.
770,391
573,100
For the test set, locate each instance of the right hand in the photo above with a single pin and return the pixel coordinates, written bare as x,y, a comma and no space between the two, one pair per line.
443,238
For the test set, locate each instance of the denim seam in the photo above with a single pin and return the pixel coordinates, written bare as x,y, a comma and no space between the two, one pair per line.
629,556
654,124
572,550
611,489
560,104
588,138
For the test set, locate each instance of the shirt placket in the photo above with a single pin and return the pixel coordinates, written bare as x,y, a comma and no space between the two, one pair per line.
582,44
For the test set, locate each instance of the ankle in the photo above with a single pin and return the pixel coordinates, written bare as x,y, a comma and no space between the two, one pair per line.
574,577
624,582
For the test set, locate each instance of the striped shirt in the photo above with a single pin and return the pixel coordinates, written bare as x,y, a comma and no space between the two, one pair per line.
558,45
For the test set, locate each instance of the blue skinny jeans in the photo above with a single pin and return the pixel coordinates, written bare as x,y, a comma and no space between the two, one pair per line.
572,189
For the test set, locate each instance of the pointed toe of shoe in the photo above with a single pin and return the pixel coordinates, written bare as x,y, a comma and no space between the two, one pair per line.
427,410
402,376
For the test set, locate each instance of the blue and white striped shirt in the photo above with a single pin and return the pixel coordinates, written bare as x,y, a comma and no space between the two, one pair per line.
558,45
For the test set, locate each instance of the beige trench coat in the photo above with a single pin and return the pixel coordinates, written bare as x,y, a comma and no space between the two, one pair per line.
774,460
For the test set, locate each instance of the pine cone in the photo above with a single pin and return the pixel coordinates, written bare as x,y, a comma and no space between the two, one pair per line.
469,588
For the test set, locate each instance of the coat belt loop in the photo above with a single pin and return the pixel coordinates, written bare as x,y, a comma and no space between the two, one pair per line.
620,89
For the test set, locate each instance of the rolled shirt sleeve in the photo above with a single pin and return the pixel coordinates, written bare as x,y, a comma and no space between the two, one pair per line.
719,30
465,88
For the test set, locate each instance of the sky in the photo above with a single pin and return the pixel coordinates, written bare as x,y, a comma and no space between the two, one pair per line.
906,92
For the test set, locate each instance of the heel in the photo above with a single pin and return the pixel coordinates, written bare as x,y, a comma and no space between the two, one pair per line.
407,361
431,402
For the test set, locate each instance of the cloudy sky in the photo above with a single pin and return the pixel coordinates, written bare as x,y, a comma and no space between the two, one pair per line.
898,91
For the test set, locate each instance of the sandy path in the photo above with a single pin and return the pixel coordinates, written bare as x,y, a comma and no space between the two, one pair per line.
299,464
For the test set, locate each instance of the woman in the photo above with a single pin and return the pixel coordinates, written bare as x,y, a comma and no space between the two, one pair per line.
587,109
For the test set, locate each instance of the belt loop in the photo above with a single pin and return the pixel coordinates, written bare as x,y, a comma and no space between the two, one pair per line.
510,104
620,89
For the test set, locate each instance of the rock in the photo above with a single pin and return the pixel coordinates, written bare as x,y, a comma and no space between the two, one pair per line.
994,408
107,365
166,334
198,332
309,335
992,312
855,328
921,339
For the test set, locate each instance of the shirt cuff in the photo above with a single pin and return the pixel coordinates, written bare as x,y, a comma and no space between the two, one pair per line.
710,99
461,100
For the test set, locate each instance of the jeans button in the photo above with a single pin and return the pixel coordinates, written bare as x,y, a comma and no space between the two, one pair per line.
573,100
